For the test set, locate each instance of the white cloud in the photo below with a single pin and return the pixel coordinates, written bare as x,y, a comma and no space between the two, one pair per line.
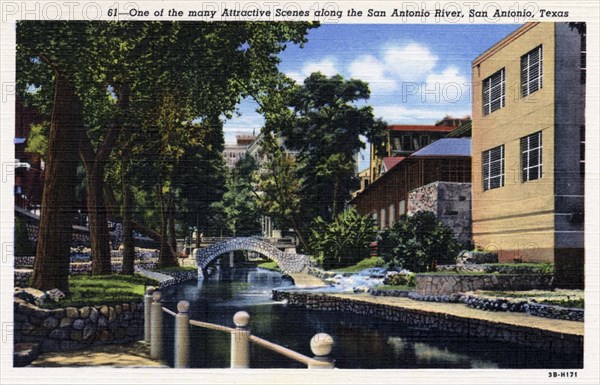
372,71
400,114
410,62
450,82
327,66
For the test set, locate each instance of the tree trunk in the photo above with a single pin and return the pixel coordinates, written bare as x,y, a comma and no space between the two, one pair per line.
167,257
171,223
98,220
128,241
53,253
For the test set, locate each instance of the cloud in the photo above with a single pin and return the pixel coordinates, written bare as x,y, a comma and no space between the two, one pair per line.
327,66
400,114
372,71
409,62
450,81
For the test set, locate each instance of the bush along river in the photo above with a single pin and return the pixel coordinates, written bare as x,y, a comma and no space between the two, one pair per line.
361,342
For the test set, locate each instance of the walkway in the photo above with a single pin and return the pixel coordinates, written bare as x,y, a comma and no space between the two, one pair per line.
461,310
136,355
304,280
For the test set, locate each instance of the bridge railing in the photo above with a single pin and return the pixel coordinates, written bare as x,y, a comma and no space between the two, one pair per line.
320,344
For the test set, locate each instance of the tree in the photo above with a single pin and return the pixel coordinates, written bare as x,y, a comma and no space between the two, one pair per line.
344,241
279,187
239,208
326,128
117,69
418,243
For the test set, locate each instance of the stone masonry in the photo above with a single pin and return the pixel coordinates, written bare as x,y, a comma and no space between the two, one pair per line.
288,262
449,201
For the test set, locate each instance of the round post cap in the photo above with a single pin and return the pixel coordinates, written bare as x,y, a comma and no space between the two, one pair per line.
183,306
321,344
241,319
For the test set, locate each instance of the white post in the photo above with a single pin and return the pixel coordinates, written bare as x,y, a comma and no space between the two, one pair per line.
156,345
182,335
147,313
240,341
231,254
321,345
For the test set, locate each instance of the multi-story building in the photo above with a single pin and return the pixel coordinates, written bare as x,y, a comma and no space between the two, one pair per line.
528,148
403,140
436,178
233,153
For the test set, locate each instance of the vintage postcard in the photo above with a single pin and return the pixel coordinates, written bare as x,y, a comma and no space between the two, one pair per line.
299,192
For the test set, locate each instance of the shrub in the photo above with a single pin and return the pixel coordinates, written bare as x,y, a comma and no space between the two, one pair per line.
400,279
418,243
23,246
344,241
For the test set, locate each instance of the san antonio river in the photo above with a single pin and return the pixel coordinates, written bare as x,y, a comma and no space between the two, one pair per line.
360,341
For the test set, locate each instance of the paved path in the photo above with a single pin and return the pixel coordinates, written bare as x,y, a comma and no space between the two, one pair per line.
461,310
305,280
135,355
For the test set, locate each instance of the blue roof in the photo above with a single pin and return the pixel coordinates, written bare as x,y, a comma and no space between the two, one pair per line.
446,147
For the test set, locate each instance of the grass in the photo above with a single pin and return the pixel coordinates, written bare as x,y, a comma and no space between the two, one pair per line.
103,290
271,265
364,264
176,269
395,287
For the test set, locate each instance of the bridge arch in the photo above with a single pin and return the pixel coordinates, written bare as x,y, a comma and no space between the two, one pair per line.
288,262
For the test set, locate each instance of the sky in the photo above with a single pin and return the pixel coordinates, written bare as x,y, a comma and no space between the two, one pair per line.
417,73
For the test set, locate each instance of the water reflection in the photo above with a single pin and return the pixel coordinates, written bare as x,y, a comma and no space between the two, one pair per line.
360,341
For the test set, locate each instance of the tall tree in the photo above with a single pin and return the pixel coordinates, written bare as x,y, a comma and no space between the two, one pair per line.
118,69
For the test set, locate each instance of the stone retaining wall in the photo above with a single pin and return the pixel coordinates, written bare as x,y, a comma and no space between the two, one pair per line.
77,328
444,284
22,277
473,328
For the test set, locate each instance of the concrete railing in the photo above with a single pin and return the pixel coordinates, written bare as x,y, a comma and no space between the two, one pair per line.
321,344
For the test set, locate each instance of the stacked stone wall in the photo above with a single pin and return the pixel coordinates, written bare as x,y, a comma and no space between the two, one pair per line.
559,343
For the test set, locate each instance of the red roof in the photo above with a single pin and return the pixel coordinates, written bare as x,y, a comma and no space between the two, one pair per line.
404,127
391,161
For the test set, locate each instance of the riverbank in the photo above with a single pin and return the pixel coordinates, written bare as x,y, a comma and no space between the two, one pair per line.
558,336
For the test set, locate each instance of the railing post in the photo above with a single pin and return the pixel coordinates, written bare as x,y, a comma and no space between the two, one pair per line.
231,259
182,335
240,341
156,344
147,313
321,345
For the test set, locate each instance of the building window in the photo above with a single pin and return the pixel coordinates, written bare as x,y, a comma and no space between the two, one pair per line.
424,140
402,207
583,63
407,143
493,92
392,217
493,168
531,71
383,223
531,156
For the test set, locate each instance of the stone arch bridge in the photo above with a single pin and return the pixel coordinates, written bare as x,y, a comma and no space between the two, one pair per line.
291,264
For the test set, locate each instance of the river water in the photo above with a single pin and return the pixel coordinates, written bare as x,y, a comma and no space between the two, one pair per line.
361,342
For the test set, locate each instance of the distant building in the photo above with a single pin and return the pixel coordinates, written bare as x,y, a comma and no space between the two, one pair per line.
403,140
233,153
528,148
436,178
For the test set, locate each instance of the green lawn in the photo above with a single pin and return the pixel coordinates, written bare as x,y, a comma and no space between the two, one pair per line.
364,264
103,290
395,287
176,269
271,265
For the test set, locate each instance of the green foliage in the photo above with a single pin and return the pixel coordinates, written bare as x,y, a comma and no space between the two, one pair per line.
344,241
395,287
103,290
23,246
364,264
238,212
271,265
37,142
418,243
401,279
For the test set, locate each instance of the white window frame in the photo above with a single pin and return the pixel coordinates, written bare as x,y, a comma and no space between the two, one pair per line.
489,88
527,163
488,164
528,78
